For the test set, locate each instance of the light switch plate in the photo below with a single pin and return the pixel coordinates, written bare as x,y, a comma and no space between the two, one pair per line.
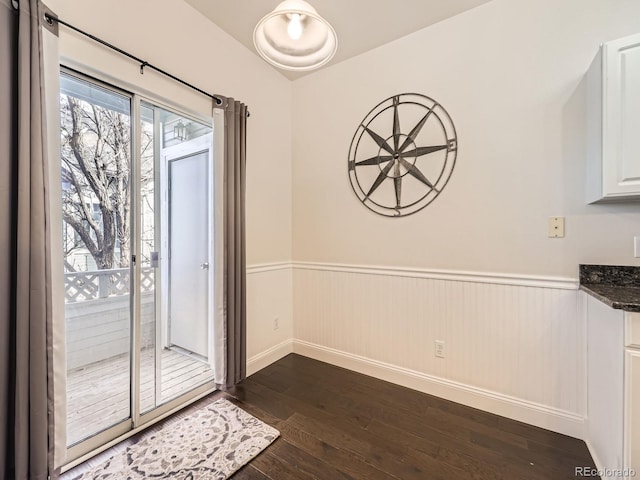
636,247
556,227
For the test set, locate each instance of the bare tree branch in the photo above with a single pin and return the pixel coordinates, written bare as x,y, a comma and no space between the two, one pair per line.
95,140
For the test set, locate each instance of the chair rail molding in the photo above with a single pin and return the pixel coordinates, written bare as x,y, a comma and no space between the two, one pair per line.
563,283
267,267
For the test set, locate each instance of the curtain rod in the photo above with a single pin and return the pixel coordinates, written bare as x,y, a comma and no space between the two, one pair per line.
143,64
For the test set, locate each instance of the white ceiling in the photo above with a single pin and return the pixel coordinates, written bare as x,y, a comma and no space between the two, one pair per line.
361,25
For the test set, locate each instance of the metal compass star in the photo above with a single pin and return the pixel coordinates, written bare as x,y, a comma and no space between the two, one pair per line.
398,153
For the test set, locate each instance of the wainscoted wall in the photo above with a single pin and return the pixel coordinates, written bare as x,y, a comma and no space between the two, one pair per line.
269,296
514,345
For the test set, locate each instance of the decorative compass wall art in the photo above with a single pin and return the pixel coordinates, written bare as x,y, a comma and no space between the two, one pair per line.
402,154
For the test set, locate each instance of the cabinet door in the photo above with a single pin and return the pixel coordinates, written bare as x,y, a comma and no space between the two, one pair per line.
632,410
621,142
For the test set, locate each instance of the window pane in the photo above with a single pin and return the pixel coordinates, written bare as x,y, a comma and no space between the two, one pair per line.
175,275
96,208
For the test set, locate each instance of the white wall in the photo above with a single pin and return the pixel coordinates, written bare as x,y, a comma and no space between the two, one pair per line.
269,314
511,75
172,35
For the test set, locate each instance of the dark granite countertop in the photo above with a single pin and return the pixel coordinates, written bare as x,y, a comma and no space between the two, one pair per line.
616,286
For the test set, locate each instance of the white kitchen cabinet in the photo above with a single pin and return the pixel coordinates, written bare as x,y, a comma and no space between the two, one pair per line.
605,384
613,119
613,388
632,394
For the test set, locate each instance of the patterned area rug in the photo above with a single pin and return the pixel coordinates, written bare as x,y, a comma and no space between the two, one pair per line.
211,443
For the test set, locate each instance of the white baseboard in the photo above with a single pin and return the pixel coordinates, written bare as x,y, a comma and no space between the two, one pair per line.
266,358
594,455
560,421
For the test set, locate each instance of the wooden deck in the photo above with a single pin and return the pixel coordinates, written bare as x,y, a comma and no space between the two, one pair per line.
98,395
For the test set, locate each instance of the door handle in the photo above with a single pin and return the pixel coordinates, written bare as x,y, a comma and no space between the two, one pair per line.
204,266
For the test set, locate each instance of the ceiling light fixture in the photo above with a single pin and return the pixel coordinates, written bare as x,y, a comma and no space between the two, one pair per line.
294,37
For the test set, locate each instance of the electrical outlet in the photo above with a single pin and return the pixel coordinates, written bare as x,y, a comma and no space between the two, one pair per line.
439,349
276,323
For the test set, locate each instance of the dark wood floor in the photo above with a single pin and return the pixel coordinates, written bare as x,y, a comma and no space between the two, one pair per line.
337,424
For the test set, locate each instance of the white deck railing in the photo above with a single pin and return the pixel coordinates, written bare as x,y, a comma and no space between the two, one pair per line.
82,286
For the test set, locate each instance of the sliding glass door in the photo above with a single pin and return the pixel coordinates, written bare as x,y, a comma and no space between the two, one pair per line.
175,255
137,231
96,211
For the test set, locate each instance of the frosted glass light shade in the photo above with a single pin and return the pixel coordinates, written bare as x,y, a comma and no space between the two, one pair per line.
315,46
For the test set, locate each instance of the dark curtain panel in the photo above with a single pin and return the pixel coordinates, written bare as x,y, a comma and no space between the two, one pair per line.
235,277
25,278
